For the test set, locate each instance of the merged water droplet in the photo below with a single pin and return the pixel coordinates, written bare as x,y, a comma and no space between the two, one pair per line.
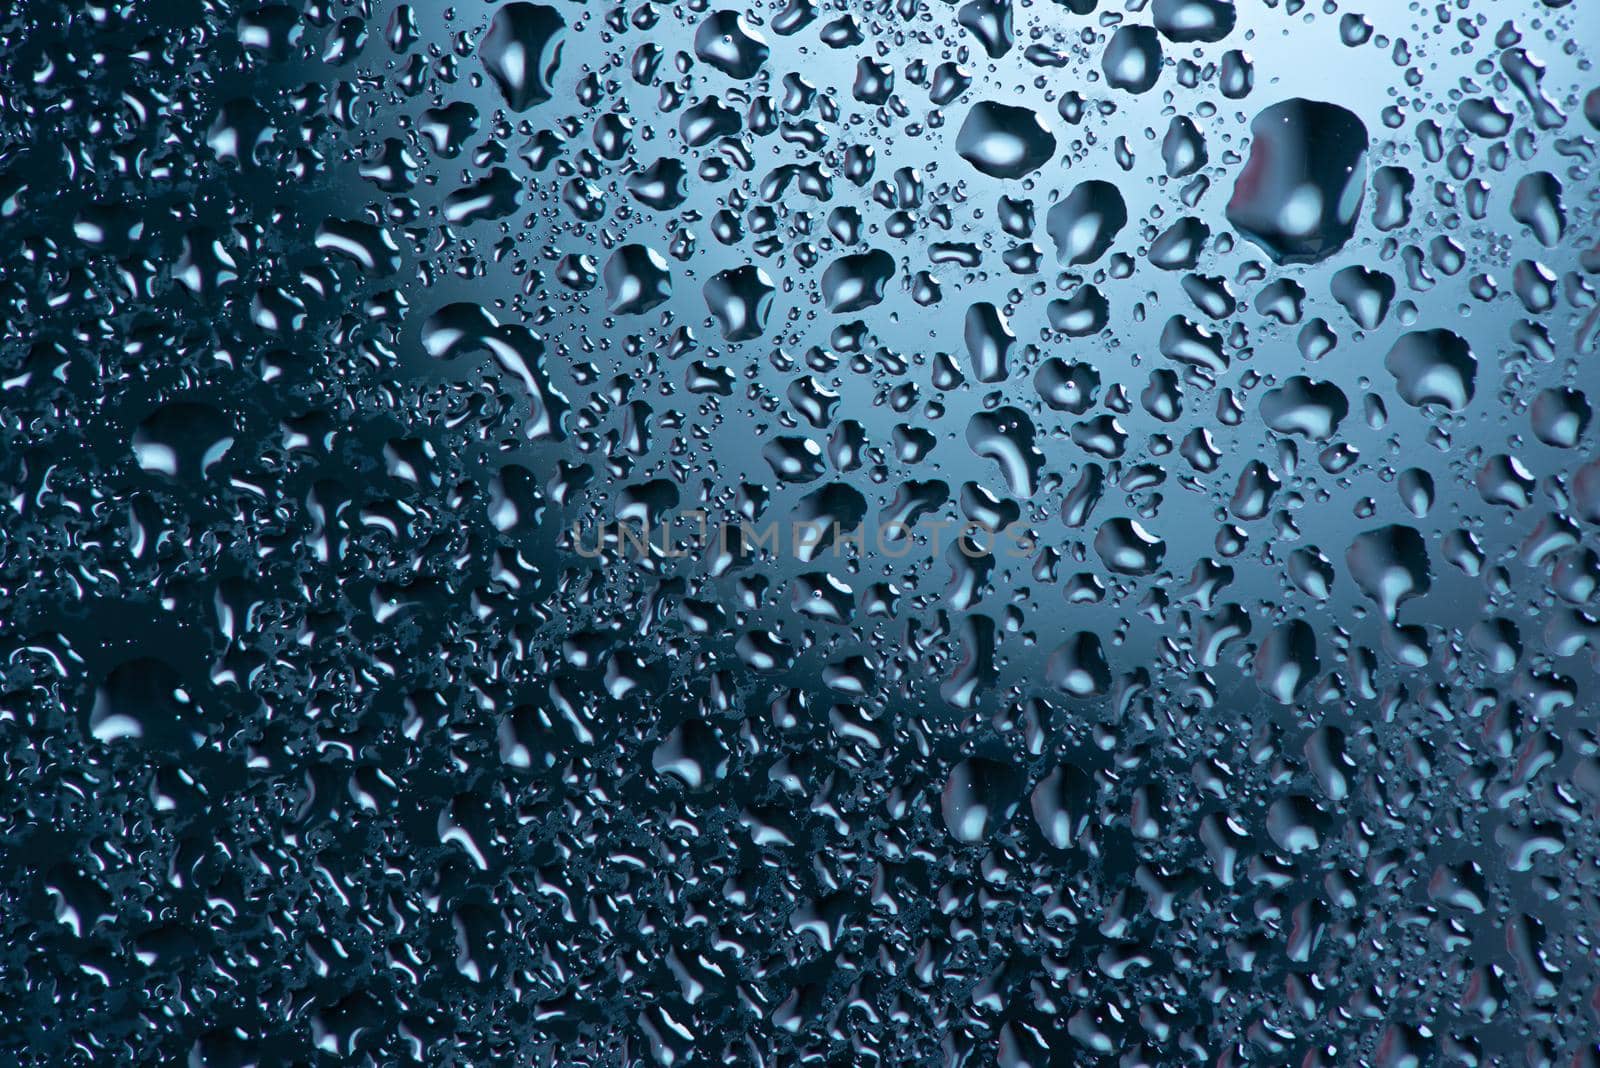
522,52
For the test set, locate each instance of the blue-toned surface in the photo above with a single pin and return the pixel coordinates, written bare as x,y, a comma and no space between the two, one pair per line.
1186,655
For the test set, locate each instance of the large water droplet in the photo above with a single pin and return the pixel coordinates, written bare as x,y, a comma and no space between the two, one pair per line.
1300,191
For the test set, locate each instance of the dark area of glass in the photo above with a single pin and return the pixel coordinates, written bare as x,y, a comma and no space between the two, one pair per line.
1190,656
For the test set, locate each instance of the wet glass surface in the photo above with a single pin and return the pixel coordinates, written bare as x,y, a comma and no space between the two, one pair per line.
991,532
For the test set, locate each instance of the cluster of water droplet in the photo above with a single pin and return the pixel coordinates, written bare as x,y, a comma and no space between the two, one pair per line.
342,723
